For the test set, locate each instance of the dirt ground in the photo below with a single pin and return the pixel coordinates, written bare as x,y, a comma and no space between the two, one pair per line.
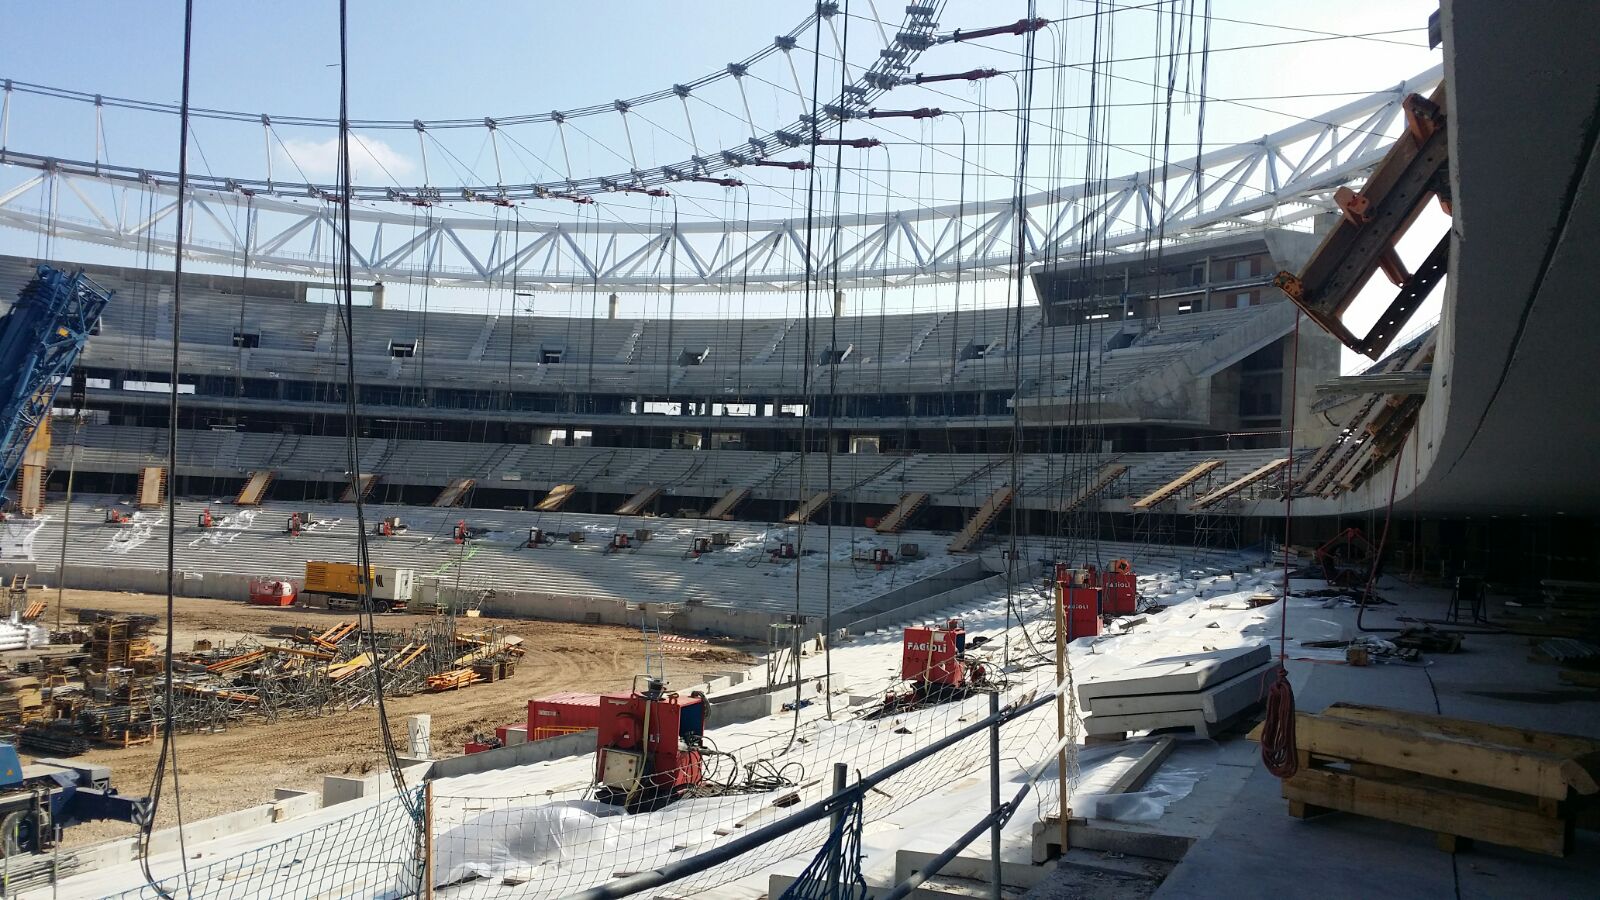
226,771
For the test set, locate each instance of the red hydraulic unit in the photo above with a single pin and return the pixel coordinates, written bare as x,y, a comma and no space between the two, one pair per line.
648,746
1078,592
1119,589
932,656
935,662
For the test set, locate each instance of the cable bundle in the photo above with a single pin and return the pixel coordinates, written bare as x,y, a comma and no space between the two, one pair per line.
1278,749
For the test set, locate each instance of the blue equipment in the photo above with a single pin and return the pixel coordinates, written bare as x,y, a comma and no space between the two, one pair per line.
41,338
38,800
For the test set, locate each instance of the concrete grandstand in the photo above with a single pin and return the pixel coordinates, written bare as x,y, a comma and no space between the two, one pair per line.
695,411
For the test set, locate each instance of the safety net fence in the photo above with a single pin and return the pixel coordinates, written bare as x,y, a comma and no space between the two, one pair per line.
506,837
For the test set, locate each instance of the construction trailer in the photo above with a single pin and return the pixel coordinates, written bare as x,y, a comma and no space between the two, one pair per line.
339,586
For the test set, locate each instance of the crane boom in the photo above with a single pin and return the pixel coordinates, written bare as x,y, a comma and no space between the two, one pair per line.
41,337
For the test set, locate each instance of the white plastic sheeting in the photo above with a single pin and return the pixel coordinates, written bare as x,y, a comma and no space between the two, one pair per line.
511,842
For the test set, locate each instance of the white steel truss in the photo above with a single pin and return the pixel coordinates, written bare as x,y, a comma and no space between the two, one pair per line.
1284,177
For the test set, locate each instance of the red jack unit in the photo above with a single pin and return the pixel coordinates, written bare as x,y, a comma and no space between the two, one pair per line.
935,662
932,656
1119,589
1079,597
649,746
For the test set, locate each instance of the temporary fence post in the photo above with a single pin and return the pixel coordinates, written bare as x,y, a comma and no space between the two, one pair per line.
841,777
427,840
994,795
1062,813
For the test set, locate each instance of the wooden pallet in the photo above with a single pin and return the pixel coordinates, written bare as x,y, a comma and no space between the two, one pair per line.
1461,779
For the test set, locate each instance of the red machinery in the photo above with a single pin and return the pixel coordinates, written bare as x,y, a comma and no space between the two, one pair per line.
116,516
562,713
538,538
1119,589
784,550
700,545
460,533
205,518
935,662
1348,559
619,543
389,527
272,592
293,528
648,746
1079,593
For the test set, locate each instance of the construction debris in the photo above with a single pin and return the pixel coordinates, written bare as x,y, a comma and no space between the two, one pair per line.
112,691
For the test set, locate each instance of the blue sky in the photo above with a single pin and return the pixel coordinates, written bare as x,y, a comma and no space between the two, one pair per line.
469,60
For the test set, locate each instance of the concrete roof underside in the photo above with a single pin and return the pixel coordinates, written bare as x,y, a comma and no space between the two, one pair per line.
1512,418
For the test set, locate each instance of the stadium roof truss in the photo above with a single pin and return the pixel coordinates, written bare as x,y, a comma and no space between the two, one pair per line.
1285,177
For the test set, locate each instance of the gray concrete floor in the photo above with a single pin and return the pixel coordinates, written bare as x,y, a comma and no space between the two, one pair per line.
1256,850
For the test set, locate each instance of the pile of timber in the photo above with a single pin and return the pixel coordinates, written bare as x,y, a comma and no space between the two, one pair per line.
21,702
452,679
1462,780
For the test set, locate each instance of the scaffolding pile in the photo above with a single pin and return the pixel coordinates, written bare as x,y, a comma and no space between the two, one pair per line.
116,694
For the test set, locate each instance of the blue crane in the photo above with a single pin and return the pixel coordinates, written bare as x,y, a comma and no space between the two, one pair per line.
41,338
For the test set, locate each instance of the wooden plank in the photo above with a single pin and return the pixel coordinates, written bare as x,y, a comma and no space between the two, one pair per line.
809,508
1568,745
1443,811
1172,487
557,498
1530,772
969,534
1107,475
1145,766
1239,484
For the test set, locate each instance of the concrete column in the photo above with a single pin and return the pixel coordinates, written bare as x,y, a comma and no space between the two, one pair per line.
612,311
377,295
419,735
838,304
